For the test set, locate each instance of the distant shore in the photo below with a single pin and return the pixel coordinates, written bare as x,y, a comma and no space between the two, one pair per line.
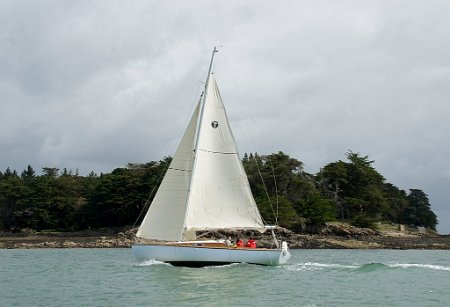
334,237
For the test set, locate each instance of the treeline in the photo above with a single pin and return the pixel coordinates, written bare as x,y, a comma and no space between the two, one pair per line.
351,191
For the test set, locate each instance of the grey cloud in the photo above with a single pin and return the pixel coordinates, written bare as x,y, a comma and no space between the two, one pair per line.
94,85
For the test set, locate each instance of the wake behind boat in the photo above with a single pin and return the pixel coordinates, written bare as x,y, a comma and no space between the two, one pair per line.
204,188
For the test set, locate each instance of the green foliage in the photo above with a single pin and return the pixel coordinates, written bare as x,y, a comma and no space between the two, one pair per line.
11,189
397,204
118,198
356,189
286,195
294,199
363,221
362,196
316,209
418,211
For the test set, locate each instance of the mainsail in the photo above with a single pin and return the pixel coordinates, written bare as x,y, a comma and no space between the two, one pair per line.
205,186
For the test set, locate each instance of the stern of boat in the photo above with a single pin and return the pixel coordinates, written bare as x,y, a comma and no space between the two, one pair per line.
285,254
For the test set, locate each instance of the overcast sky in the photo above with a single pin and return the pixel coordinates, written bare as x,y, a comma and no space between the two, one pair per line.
93,85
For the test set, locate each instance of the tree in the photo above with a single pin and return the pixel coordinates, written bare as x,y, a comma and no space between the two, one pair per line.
119,197
356,188
419,211
397,204
11,189
50,171
285,193
316,210
28,173
332,180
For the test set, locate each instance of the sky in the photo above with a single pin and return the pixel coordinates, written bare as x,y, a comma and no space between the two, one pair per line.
94,85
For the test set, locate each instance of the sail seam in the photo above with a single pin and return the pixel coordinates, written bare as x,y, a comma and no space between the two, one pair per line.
181,170
218,152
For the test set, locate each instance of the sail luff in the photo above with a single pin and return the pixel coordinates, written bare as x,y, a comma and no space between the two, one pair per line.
186,234
202,100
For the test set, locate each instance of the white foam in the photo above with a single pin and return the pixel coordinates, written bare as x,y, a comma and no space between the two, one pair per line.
151,262
223,266
314,266
419,265
311,266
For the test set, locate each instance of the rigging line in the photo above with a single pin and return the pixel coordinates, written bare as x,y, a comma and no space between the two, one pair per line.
150,195
265,188
263,220
276,187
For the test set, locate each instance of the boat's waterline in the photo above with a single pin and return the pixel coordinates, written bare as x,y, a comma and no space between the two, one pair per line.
198,256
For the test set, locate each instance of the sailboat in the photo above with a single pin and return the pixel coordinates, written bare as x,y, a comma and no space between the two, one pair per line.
205,188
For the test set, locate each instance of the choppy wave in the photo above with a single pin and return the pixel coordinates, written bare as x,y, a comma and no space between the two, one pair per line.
366,267
370,267
315,266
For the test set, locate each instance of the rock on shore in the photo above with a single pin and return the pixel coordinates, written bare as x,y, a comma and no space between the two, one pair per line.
343,236
333,236
88,239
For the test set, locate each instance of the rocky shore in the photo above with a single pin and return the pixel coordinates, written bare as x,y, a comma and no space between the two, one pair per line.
111,238
334,236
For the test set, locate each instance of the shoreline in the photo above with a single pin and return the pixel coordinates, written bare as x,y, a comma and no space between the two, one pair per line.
360,239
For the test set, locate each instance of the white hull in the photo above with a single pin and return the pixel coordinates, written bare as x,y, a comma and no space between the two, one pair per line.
203,256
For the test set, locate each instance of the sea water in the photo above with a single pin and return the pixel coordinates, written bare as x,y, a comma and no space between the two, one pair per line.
112,277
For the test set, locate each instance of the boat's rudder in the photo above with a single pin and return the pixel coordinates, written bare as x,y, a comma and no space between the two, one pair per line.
285,254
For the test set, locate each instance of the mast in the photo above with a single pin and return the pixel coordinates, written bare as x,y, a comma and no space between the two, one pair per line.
197,133
202,107
210,66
